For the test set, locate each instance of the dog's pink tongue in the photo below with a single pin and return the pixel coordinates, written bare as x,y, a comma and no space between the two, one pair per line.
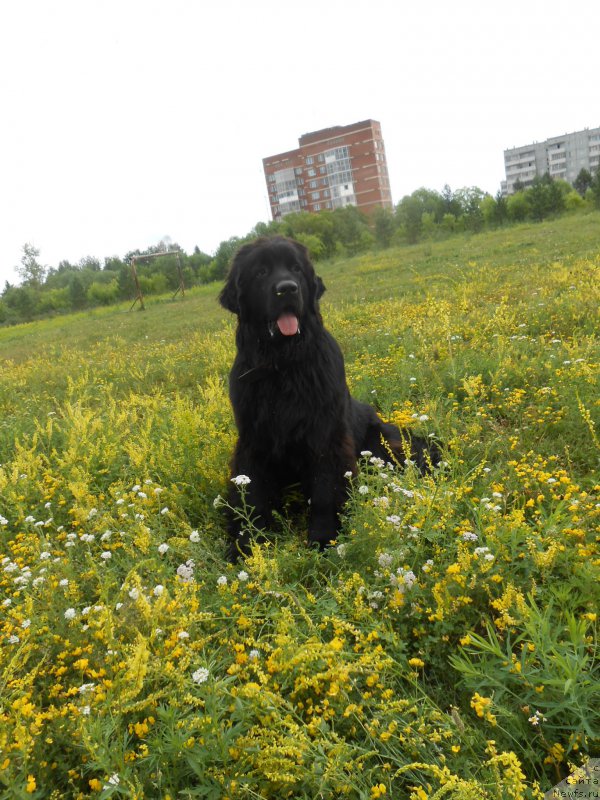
288,324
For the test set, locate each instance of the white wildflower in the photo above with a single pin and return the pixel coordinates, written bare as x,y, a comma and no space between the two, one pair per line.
200,675
385,560
186,571
381,502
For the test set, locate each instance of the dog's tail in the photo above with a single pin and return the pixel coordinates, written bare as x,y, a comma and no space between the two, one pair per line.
405,448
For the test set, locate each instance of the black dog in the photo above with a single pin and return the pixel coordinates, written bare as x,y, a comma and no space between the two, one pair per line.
296,420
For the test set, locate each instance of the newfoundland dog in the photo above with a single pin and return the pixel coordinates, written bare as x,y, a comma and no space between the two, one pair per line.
296,420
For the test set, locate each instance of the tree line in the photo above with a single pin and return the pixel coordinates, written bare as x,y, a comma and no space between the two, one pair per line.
425,214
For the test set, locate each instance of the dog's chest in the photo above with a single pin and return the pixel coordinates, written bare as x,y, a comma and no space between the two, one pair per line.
287,406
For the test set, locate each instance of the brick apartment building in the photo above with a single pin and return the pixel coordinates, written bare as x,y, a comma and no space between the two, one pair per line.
332,168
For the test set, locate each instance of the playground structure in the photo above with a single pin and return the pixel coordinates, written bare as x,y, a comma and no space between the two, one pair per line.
138,289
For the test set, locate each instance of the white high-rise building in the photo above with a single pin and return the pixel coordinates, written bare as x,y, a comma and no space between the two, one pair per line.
562,157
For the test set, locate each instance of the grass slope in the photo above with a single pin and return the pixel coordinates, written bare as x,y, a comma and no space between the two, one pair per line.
446,647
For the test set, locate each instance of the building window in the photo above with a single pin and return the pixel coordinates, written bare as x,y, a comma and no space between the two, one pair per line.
311,172
315,195
309,160
317,207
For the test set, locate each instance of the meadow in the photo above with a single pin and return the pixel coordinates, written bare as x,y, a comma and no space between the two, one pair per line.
445,647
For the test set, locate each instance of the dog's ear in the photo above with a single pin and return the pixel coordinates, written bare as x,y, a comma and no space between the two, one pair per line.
319,287
228,296
230,293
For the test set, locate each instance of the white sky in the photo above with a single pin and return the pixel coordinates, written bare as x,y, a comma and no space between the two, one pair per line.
124,121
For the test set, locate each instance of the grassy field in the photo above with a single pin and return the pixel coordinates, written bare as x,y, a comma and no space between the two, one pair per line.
446,647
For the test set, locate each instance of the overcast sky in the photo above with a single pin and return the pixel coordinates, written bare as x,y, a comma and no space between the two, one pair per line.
122,122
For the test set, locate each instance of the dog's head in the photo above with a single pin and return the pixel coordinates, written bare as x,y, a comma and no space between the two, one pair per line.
272,285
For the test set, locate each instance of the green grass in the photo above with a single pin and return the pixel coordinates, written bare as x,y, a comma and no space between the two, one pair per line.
447,647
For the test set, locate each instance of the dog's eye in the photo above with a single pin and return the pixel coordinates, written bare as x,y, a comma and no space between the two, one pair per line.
296,267
261,272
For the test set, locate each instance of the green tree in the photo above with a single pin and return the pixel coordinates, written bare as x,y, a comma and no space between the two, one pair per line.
517,206
351,229
451,202
546,197
595,187
494,210
409,213
313,244
225,252
321,225
22,300
30,270
469,199
90,262
573,201
384,226
583,181
77,292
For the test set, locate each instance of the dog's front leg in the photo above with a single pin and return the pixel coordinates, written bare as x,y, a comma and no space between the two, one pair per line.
328,493
252,496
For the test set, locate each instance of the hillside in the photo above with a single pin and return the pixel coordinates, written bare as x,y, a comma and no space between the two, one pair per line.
447,647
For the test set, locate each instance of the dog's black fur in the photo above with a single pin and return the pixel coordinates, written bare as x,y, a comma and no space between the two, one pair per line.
296,420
